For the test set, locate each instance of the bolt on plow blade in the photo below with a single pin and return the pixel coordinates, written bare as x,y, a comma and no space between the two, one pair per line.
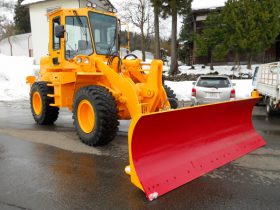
169,149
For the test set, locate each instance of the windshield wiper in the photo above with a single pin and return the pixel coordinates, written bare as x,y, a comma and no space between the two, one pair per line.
112,44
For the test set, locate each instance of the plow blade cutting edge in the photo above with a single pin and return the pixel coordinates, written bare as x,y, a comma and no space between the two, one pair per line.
169,149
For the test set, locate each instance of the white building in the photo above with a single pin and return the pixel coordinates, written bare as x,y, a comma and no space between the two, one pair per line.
39,22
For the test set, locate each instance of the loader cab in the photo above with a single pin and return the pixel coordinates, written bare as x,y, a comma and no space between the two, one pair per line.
81,32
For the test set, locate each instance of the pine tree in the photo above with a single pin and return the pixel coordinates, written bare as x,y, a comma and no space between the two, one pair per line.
186,35
21,18
244,26
251,25
210,42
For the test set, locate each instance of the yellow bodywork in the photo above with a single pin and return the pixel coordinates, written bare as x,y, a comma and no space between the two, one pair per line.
136,87
255,94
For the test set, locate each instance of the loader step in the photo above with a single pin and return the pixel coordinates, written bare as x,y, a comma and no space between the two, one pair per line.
53,95
52,84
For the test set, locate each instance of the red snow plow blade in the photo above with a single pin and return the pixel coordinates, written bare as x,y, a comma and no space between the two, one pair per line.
169,149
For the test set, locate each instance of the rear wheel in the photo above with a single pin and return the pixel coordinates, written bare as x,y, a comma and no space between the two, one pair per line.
41,110
171,97
95,115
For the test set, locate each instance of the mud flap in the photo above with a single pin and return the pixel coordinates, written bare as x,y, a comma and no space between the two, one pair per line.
169,149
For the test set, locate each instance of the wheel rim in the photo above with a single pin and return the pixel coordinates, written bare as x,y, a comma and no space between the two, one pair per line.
37,103
86,116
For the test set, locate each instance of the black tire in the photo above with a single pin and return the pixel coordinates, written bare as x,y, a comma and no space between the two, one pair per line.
270,109
105,112
48,114
171,97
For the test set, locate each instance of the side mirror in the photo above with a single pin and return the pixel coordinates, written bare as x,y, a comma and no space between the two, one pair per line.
193,83
233,84
59,31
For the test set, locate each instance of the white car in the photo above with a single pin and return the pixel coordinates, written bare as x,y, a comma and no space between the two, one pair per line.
212,89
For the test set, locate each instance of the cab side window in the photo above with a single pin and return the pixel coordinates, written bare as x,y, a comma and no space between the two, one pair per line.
56,41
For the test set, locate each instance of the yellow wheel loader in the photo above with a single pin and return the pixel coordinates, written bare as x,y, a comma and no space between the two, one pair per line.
168,147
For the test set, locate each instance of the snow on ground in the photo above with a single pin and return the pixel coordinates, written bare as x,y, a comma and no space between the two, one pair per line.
138,53
183,89
222,70
243,88
13,71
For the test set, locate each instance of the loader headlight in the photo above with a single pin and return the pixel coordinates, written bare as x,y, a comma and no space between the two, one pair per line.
86,61
79,60
91,5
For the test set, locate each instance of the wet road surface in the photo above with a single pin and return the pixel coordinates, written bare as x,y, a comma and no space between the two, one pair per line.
49,168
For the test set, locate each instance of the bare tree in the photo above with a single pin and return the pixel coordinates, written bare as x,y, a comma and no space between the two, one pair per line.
7,29
139,13
7,4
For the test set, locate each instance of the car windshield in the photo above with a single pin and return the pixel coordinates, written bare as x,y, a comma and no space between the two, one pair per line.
213,82
104,30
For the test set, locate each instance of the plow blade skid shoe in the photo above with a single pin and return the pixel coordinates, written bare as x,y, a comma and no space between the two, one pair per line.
169,149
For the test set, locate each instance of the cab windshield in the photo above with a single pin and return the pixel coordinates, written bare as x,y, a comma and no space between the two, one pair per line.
104,29
78,40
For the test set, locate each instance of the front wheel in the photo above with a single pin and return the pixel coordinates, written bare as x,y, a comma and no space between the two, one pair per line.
95,115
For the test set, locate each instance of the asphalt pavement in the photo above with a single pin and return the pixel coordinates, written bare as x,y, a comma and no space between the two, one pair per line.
49,168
